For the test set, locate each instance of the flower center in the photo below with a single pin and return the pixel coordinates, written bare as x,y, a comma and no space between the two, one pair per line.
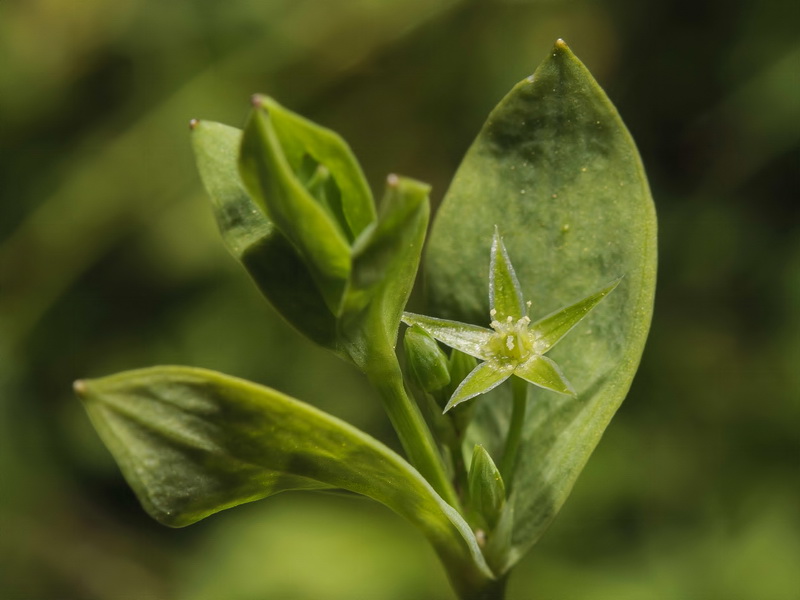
512,341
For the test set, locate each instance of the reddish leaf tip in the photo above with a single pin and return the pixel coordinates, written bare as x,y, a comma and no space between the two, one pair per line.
79,386
257,100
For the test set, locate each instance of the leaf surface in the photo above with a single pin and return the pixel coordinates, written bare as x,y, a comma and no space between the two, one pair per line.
385,261
556,170
192,442
253,239
302,138
274,183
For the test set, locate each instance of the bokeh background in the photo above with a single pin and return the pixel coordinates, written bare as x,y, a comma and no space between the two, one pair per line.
109,260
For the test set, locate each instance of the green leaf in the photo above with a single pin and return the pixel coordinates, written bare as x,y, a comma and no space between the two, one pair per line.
274,184
505,295
555,169
305,143
253,239
192,442
385,261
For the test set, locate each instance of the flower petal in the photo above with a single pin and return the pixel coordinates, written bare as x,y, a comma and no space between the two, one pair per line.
555,326
486,376
469,339
505,294
542,371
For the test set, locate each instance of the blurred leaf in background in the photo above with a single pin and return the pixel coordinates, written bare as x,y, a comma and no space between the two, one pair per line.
109,260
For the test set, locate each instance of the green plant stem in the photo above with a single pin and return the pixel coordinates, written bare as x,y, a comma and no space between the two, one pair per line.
494,590
519,390
413,431
459,468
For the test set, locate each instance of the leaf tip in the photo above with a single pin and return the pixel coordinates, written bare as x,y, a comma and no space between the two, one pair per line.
258,101
612,285
560,45
80,388
392,180
193,124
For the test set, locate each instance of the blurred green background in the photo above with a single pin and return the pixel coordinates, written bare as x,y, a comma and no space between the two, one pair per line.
109,260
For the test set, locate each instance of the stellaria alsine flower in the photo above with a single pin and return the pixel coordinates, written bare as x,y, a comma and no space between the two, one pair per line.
514,345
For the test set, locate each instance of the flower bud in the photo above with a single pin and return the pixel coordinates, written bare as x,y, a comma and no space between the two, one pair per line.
427,364
487,492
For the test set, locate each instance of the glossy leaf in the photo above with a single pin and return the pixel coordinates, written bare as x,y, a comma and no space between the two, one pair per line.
253,239
273,183
385,261
305,143
192,442
555,169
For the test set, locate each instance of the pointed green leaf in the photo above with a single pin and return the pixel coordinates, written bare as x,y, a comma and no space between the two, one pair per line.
254,240
552,328
303,143
192,442
486,376
505,295
274,185
543,372
385,261
555,169
469,339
